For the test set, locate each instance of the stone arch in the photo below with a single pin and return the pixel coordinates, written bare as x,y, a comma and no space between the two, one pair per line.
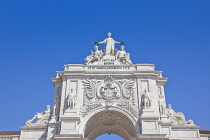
113,120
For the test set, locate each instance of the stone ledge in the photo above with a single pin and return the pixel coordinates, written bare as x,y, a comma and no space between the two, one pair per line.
10,132
66,136
33,127
151,136
204,131
184,127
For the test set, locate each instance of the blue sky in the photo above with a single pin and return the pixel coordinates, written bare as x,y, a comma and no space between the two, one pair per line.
38,37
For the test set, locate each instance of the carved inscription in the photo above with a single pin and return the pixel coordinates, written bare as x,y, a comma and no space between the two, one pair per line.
109,67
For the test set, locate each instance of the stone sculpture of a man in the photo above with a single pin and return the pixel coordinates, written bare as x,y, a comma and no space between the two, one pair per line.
71,100
162,107
56,105
170,111
146,101
123,56
46,113
96,56
110,45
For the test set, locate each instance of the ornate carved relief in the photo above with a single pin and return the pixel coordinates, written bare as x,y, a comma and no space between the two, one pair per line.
108,92
127,89
90,88
126,104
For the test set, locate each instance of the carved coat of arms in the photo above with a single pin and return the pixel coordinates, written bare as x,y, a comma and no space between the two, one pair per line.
108,92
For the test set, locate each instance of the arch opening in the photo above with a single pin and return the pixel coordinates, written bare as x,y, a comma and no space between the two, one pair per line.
109,137
109,122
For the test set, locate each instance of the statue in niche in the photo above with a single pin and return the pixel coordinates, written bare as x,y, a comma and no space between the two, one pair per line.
55,111
146,101
110,45
56,105
71,100
123,56
160,92
95,56
41,118
162,107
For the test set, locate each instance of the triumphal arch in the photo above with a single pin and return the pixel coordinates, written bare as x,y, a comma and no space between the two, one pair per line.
109,94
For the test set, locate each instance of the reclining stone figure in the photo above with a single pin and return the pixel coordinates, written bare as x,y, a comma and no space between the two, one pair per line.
41,118
178,118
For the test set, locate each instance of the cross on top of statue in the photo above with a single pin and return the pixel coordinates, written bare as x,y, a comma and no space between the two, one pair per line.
109,53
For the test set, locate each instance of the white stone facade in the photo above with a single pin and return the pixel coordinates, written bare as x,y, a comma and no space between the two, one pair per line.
109,94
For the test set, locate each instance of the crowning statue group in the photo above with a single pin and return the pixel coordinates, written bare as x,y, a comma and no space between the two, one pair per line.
109,50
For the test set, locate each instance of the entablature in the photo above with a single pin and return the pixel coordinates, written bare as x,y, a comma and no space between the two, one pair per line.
146,71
